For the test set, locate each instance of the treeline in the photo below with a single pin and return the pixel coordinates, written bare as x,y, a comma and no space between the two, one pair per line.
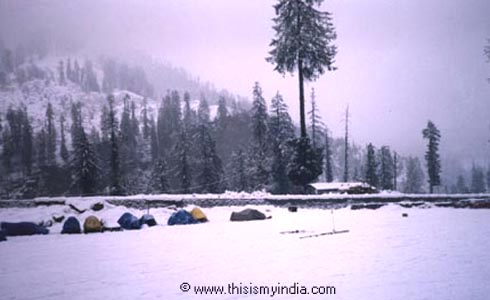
180,150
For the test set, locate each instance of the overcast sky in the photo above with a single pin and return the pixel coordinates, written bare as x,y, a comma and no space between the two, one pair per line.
400,63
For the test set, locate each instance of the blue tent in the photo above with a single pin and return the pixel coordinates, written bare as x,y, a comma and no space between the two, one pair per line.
22,228
181,217
148,220
128,221
2,236
71,225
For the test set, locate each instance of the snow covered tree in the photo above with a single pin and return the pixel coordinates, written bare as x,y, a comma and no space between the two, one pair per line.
316,123
488,179
63,149
41,148
433,135
281,130
154,140
203,114
386,172
238,180
69,70
259,141
303,43
84,166
159,181
183,171
346,146
477,180
209,175
328,159
371,166
27,144
115,181
61,73
189,117
414,176
50,136
461,186
146,120
305,165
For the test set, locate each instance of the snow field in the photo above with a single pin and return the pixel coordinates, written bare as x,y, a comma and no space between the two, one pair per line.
437,253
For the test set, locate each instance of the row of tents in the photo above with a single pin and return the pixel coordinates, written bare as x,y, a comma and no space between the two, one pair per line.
127,221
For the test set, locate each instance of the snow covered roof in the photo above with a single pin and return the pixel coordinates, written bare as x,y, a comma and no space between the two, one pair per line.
337,186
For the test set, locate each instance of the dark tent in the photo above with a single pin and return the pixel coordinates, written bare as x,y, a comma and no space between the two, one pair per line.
181,217
128,221
148,220
22,228
71,225
247,215
2,236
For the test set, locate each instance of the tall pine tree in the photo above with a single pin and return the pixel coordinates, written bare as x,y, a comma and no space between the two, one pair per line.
433,135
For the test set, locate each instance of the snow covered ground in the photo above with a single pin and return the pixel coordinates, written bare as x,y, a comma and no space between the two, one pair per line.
436,253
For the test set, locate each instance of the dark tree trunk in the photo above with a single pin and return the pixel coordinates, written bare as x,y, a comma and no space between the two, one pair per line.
301,99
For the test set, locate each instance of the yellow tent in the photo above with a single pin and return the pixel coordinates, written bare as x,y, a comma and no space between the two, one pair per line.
198,215
92,224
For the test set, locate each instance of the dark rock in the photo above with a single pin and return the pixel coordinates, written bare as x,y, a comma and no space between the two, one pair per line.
293,208
58,219
404,215
97,206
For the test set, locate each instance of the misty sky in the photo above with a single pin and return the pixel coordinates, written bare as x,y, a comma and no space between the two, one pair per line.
400,63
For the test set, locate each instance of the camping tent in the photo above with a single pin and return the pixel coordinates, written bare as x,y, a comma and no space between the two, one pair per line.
247,215
71,226
22,228
128,221
181,217
92,224
198,215
148,220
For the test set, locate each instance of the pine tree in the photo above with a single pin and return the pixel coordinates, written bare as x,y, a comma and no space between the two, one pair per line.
239,178
69,71
76,72
154,141
316,123
281,130
27,144
84,166
159,182
414,176
328,159
146,121
386,172
203,115
488,179
346,146
433,135
259,143
371,166
183,166
50,136
303,37
189,115
61,73
41,148
63,149
477,180
115,181
461,186
209,164
305,165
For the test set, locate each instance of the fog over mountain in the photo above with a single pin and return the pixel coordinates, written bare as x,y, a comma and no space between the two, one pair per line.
399,64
